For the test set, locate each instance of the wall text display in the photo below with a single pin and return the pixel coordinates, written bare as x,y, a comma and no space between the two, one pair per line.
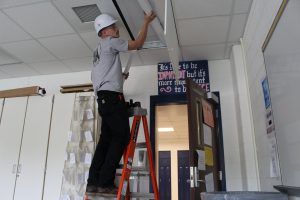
196,70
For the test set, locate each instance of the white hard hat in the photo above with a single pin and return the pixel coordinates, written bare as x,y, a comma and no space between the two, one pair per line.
103,21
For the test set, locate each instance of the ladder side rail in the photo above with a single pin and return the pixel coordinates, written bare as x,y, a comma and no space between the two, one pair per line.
124,182
150,158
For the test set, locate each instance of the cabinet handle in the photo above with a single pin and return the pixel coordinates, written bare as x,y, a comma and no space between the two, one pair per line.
14,169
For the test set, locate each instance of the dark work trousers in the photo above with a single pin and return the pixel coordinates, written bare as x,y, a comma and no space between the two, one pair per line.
115,135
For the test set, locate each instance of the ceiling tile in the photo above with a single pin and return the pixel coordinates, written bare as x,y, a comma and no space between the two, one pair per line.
18,70
28,51
242,6
201,8
10,31
10,3
5,58
203,30
154,56
91,39
79,64
4,75
136,60
237,27
50,67
205,52
40,20
66,46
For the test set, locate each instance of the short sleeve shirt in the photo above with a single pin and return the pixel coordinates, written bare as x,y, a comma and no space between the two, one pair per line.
107,68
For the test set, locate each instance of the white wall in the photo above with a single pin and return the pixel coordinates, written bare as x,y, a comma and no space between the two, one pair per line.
282,58
259,22
142,83
221,80
244,120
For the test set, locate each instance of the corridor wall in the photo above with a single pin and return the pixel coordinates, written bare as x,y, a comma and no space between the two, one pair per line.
259,22
142,83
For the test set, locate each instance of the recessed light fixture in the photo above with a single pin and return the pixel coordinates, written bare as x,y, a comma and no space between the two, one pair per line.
170,129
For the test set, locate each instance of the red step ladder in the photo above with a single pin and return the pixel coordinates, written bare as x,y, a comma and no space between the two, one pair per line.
124,191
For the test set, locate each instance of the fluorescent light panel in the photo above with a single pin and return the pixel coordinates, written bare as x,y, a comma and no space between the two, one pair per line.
169,129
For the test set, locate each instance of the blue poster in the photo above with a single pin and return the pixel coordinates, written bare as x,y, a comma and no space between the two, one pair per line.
265,87
196,70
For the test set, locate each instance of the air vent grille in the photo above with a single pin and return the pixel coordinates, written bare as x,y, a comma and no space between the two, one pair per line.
87,13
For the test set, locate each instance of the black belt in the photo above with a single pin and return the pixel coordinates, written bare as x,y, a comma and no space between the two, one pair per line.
119,95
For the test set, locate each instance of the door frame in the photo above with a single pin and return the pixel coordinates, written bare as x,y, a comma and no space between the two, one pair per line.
156,100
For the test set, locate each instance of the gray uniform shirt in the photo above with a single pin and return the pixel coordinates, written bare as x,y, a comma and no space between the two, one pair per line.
107,69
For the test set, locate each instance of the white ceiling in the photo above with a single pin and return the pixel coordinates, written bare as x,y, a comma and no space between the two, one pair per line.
46,37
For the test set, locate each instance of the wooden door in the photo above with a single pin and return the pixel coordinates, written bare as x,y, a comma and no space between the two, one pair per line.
183,175
165,175
202,142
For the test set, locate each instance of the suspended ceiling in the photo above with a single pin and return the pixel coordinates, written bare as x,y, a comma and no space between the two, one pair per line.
40,37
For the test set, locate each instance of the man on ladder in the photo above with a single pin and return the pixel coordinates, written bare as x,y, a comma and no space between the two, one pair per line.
107,81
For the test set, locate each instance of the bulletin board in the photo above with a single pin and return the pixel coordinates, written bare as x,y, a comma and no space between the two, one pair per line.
282,59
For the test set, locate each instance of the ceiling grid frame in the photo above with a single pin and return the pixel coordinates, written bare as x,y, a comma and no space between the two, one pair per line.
230,25
83,34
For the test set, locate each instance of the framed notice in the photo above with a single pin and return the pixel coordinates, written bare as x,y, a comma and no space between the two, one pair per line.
196,70
208,116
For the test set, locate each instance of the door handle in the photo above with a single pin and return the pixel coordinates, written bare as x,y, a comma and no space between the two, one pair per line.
192,178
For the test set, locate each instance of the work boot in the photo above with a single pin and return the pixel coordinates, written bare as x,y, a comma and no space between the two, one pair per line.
91,188
107,190
114,189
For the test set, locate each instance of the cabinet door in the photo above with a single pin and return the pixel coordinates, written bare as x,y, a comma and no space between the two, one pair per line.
58,140
11,128
29,184
1,105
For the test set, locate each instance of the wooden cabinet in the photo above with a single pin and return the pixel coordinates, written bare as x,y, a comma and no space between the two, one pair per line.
60,125
11,130
24,132
33,139
33,151
1,105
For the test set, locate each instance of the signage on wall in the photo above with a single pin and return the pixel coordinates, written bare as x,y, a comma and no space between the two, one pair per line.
274,162
265,87
196,70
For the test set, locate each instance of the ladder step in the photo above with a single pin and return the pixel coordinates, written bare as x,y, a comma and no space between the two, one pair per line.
141,145
134,175
135,169
142,195
100,196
